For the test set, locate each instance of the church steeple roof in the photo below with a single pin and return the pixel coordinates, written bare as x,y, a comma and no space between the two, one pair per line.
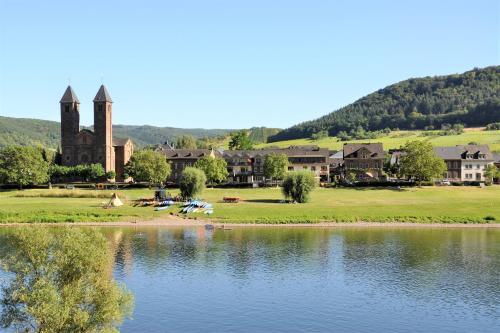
69,96
103,95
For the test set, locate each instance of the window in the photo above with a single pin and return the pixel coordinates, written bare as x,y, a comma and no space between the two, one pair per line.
324,168
478,166
66,108
313,168
99,107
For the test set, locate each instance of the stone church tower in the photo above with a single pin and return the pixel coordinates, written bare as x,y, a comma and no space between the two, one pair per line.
98,146
103,131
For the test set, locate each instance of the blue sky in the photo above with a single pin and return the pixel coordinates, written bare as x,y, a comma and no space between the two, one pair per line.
231,64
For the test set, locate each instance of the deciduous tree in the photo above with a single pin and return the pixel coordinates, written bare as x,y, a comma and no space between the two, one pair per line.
240,141
148,166
185,142
215,168
275,166
421,162
62,282
491,172
22,166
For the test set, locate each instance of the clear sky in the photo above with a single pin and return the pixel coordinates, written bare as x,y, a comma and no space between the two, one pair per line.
231,64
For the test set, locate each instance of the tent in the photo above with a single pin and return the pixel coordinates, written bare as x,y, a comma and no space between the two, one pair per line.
115,201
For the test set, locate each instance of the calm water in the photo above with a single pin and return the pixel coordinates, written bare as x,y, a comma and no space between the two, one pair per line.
310,280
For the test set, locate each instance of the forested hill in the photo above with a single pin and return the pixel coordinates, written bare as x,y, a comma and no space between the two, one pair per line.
45,133
471,98
22,131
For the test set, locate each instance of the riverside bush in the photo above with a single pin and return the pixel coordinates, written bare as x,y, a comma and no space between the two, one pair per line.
192,182
298,185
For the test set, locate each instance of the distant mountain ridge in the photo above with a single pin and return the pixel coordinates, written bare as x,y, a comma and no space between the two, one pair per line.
471,98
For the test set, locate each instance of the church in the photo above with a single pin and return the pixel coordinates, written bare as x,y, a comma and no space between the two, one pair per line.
97,146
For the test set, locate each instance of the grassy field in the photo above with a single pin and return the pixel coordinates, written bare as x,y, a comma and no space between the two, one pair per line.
399,138
423,205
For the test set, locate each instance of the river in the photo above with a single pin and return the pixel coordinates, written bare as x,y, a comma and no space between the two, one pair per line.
309,279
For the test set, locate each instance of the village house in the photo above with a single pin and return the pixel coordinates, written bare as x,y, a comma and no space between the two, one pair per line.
465,163
365,159
179,159
496,159
336,165
97,146
247,166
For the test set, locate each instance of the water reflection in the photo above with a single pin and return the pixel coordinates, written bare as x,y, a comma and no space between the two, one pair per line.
310,279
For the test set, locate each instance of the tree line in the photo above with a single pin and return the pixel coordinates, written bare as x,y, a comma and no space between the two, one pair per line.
27,165
471,98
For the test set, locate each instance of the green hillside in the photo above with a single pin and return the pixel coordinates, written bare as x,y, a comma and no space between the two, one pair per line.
261,134
471,98
22,131
150,135
398,138
29,132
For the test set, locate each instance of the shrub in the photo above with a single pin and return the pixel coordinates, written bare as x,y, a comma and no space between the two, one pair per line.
192,182
343,136
110,174
447,129
67,194
319,135
493,127
489,218
298,185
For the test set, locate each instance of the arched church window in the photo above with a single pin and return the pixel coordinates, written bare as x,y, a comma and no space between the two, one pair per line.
66,108
100,107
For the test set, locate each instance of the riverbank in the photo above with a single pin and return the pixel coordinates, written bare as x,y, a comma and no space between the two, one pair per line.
428,205
173,221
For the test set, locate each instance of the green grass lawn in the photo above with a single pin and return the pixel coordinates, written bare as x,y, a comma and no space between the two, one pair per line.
425,205
399,138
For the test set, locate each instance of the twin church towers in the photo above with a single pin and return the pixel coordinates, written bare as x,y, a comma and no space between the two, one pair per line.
97,146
